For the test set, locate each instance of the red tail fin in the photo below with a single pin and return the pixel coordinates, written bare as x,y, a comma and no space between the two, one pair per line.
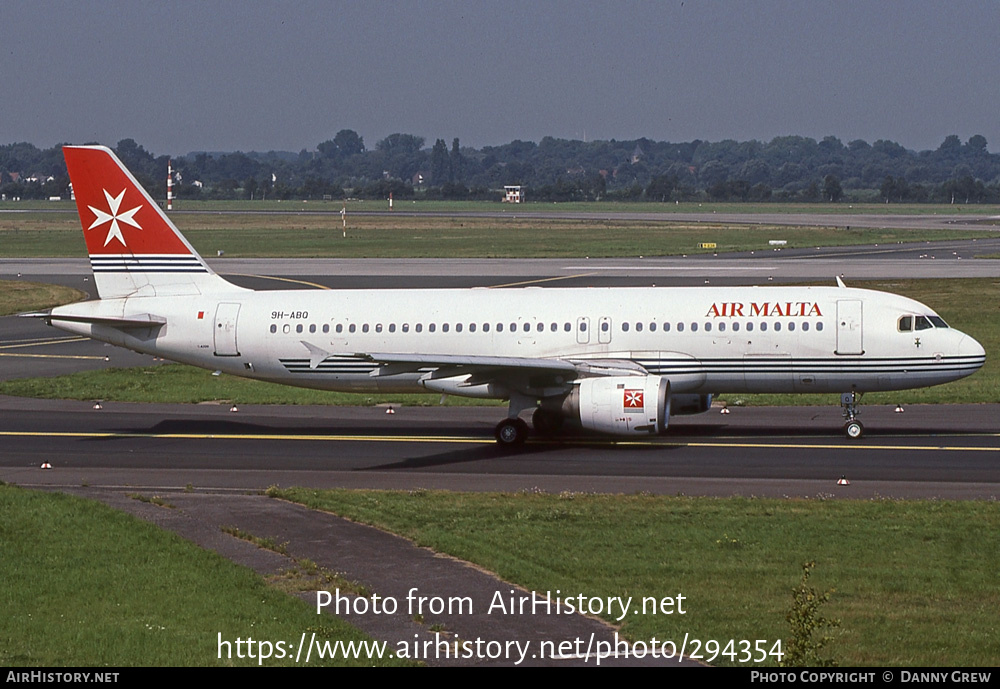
134,248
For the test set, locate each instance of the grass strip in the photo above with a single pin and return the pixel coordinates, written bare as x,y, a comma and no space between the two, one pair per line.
17,296
86,585
914,580
406,236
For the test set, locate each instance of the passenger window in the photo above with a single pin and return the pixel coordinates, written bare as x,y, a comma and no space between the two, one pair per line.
527,327
378,327
486,327
499,327
791,326
819,326
652,327
666,326
722,327
392,327
340,327
326,327
905,324
777,327
763,327
419,327
298,328
749,327
540,327
638,327
352,327
364,328
708,327
472,327
286,328
431,327
736,327
567,326
694,327
312,327
406,327
624,326
805,327
680,327
274,328
444,327
554,327
604,327
583,326
458,327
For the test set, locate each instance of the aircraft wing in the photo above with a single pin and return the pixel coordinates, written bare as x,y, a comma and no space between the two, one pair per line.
500,367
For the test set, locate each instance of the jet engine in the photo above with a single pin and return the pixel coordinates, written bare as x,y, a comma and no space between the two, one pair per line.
621,405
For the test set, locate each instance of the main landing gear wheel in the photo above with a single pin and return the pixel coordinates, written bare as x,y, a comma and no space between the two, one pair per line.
854,429
511,432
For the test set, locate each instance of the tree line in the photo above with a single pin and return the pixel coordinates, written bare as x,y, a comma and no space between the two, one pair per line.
787,168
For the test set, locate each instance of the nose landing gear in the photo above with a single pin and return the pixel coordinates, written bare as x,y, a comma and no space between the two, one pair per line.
852,427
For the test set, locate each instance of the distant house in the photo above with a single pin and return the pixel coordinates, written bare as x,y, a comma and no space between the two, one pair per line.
637,154
512,193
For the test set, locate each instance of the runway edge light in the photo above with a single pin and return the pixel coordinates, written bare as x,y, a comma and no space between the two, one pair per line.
842,481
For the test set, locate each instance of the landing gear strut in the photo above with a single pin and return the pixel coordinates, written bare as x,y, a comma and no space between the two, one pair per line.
512,431
852,427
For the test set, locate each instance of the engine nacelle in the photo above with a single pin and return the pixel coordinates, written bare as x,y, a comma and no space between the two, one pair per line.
690,404
623,405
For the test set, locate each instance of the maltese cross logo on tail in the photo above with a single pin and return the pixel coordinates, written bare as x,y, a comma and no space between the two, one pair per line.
114,231
632,400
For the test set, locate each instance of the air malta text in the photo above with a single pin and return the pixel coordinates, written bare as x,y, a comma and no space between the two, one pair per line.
737,309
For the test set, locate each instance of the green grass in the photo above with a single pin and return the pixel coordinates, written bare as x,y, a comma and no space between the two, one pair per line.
915,580
968,304
17,296
85,585
426,206
36,234
179,384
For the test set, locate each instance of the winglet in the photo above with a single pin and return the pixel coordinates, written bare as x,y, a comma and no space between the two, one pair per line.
316,355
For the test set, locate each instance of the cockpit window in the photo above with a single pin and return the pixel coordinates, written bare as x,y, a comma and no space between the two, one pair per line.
905,324
938,322
922,323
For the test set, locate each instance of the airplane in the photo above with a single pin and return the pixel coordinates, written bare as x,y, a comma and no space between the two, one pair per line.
619,361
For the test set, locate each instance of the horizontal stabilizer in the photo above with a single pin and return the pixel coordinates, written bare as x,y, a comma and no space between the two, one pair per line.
144,320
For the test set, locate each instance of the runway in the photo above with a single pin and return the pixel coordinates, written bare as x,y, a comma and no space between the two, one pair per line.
938,451
927,451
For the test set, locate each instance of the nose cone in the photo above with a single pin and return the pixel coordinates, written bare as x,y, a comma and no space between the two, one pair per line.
969,347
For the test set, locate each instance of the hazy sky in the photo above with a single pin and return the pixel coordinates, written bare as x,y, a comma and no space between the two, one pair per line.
178,76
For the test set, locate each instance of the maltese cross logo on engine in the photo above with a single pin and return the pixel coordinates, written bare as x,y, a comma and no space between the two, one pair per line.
632,400
114,231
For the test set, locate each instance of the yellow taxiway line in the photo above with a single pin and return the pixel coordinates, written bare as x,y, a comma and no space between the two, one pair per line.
532,282
487,441
271,277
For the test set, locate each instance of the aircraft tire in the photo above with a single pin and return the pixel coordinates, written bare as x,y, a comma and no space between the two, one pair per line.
511,432
854,429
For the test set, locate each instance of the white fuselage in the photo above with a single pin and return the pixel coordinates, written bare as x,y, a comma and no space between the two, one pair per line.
704,340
